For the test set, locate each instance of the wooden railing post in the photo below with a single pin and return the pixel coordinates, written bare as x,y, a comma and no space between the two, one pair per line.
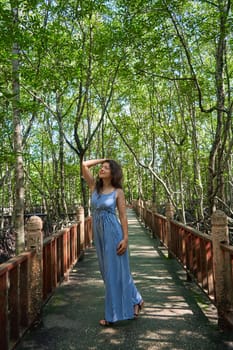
222,270
145,214
35,241
153,210
137,207
4,328
140,202
170,216
81,218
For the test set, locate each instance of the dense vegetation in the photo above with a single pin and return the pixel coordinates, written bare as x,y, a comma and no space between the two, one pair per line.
148,83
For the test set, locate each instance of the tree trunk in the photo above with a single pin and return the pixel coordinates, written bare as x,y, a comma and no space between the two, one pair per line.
216,158
18,219
83,187
197,180
62,174
62,203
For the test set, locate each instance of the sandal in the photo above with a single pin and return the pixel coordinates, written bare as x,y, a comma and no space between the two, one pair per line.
105,323
138,308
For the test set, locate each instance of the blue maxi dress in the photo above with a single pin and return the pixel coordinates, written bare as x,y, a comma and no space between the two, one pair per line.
121,293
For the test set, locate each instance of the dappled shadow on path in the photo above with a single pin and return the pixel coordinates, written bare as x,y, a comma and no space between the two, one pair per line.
172,318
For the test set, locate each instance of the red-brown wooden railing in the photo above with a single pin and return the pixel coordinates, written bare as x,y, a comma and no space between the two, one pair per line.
194,250
14,316
60,252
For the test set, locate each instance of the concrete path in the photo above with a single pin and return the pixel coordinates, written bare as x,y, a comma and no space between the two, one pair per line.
177,316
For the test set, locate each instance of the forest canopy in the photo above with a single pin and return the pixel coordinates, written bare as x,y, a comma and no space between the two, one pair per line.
148,83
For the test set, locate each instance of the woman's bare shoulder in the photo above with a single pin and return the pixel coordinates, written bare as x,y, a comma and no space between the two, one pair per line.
119,193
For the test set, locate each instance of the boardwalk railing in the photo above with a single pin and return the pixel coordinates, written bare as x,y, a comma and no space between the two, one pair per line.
208,259
29,279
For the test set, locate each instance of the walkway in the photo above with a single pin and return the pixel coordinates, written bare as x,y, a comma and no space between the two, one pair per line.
177,316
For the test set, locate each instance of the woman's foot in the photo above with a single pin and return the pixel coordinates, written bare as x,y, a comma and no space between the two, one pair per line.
105,323
138,308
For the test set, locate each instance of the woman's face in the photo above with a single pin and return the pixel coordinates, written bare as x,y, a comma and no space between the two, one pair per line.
105,171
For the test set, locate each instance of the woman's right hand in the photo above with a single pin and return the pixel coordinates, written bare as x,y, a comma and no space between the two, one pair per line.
122,247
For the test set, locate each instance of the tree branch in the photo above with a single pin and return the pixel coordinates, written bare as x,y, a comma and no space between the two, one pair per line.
147,167
189,60
166,77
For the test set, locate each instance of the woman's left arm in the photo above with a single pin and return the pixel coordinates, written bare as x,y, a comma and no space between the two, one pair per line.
121,206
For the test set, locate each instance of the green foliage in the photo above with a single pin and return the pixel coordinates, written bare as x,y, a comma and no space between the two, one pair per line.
121,79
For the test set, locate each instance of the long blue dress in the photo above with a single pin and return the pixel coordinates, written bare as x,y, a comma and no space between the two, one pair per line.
121,293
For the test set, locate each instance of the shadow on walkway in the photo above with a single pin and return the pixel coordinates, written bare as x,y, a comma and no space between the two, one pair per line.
177,316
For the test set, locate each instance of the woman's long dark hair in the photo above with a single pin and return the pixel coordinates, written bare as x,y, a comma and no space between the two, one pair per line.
116,173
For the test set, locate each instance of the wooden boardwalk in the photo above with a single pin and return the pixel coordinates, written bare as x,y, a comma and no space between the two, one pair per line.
177,316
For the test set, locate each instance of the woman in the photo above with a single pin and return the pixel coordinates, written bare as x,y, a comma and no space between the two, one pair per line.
122,299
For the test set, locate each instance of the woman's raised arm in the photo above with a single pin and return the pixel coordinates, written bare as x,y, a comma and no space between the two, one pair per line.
87,175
